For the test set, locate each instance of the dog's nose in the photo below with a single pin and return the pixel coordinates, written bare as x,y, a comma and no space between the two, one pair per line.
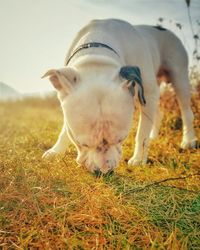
97,172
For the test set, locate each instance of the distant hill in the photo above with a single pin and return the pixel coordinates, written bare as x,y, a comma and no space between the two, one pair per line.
8,93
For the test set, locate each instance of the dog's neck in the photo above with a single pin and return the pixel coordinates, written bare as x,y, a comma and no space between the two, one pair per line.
96,67
94,60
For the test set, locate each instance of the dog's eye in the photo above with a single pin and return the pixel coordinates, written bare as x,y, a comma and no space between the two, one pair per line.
122,139
84,145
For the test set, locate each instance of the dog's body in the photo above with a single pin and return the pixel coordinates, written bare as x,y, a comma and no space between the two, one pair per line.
97,103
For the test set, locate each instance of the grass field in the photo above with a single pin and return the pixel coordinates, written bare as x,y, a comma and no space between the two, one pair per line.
59,205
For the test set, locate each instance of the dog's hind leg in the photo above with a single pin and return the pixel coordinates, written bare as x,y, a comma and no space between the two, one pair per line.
156,123
181,85
158,115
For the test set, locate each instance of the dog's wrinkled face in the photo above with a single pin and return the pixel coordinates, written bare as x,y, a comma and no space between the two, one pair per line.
98,121
97,118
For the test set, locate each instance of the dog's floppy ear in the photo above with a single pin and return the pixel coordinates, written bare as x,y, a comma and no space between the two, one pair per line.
63,79
132,75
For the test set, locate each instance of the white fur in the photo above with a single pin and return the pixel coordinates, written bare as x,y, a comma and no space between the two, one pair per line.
98,108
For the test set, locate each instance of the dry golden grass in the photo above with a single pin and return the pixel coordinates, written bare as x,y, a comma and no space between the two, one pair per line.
58,205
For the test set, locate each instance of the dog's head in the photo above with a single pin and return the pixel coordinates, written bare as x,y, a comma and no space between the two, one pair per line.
97,116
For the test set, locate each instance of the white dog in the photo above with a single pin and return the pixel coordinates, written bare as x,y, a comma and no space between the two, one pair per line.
108,62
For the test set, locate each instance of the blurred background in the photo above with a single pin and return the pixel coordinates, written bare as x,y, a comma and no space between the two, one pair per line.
35,35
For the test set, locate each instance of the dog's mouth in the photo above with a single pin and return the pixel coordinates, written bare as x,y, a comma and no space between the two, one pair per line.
97,168
100,161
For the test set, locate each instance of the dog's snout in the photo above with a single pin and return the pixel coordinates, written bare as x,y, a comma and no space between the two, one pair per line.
100,160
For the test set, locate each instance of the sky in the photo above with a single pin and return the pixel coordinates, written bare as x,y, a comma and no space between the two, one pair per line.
36,34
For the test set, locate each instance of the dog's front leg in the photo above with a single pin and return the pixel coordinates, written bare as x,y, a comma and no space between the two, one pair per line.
60,146
147,114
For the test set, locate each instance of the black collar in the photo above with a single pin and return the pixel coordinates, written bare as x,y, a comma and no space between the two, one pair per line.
91,45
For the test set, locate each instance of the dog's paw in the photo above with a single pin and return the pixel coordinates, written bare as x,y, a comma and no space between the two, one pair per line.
136,162
190,144
51,153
